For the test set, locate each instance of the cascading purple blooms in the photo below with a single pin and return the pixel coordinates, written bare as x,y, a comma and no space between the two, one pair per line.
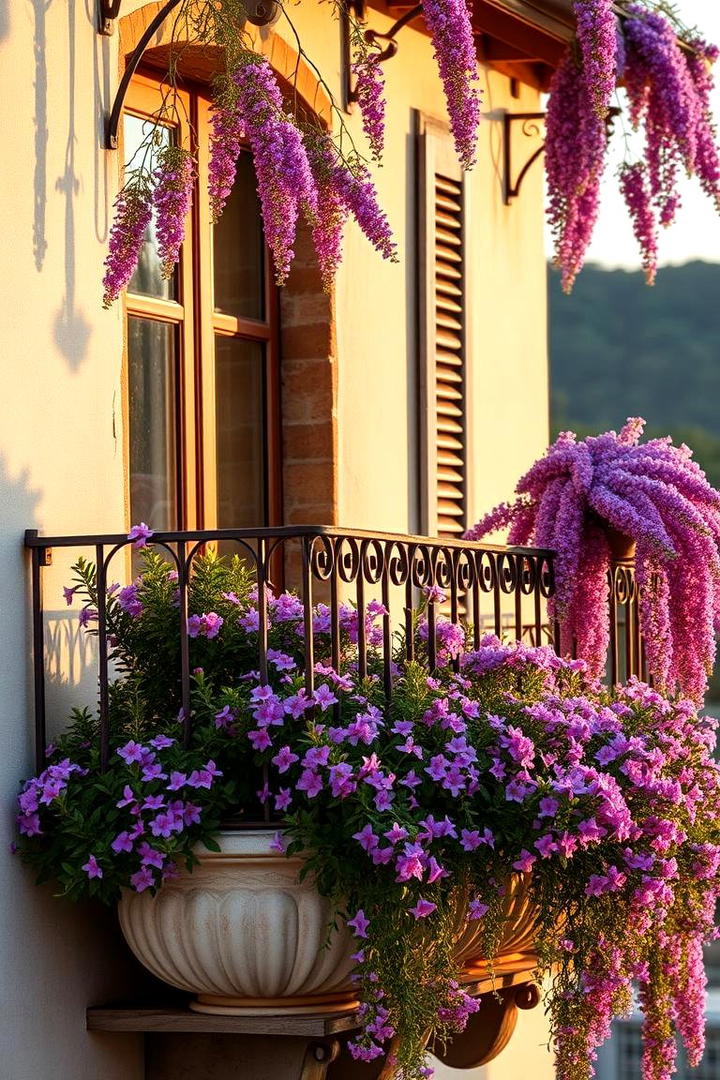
226,138
173,182
370,96
635,188
597,35
669,89
451,31
285,182
653,493
707,157
575,152
345,189
663,97
133,214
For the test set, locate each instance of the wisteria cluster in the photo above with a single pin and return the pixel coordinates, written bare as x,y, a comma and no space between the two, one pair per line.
575,150
668,86
653,493
133,214
248,107
173,182
450,27
505,768
370,96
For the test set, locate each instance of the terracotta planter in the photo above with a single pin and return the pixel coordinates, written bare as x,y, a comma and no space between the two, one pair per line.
622,546
243,934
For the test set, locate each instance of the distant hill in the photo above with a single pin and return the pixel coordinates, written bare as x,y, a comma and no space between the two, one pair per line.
619,348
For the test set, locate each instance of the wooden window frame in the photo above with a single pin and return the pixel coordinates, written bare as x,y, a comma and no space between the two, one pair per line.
197,323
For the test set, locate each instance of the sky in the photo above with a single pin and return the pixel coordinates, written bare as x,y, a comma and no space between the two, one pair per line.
696,232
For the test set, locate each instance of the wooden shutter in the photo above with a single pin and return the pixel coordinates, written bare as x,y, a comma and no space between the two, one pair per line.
443,427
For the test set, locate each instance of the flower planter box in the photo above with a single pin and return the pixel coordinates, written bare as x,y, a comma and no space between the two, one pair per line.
243,934
246,936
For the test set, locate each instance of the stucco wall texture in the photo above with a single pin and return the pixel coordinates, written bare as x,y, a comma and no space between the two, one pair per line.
61,437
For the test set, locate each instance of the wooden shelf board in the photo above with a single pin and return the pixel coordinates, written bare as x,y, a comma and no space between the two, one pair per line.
184,1020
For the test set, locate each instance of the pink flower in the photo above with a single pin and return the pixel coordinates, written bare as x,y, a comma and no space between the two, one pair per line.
92,868
422,909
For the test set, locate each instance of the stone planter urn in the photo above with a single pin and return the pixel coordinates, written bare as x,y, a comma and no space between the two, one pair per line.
243,934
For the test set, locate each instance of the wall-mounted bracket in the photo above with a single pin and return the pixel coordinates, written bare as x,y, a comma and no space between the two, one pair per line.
356,8
259,13
108,12
531,129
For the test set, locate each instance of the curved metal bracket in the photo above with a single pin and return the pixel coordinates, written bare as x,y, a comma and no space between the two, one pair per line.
262,13
531,129
373,37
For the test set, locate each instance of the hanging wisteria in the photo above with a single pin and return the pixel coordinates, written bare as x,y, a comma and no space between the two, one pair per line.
308,172
304,171
666,73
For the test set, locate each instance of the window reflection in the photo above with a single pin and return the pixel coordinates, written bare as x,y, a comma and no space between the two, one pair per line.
238,249
153,454
239,411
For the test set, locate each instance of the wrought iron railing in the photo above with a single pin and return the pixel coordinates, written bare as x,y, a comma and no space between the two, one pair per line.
503,590
490,588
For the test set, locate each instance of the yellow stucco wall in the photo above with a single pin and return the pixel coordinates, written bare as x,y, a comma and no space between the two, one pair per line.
61,467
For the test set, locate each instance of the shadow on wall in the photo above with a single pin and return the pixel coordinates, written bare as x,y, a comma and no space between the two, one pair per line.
72,330
40,8
4,19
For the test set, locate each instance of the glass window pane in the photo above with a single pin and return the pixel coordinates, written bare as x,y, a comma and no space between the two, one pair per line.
240,420
153,453
147,279
239,251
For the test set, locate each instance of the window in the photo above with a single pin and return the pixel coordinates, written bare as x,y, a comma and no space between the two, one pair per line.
443,427
202,353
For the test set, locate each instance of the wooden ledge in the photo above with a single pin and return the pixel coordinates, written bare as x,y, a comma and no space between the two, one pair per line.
183,1021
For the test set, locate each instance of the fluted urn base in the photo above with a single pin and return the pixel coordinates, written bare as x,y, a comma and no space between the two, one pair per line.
243,934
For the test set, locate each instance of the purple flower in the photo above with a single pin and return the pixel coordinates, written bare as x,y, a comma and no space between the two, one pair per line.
422,909
68,594
366,838
133,214
122,842
129,601
92,868
283,799
284,759
143,879
525,862
177,780
172,196
310,782
359,924
324,697
132,752
162,742
150,856
139,533
451,31
476,909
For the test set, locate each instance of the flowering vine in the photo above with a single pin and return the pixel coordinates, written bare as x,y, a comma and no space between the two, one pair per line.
668,83
653,493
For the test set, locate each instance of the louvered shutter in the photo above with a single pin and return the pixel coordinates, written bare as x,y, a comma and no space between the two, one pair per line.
443,427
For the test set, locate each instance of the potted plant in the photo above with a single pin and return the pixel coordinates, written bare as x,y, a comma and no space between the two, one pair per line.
503,793
608,496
